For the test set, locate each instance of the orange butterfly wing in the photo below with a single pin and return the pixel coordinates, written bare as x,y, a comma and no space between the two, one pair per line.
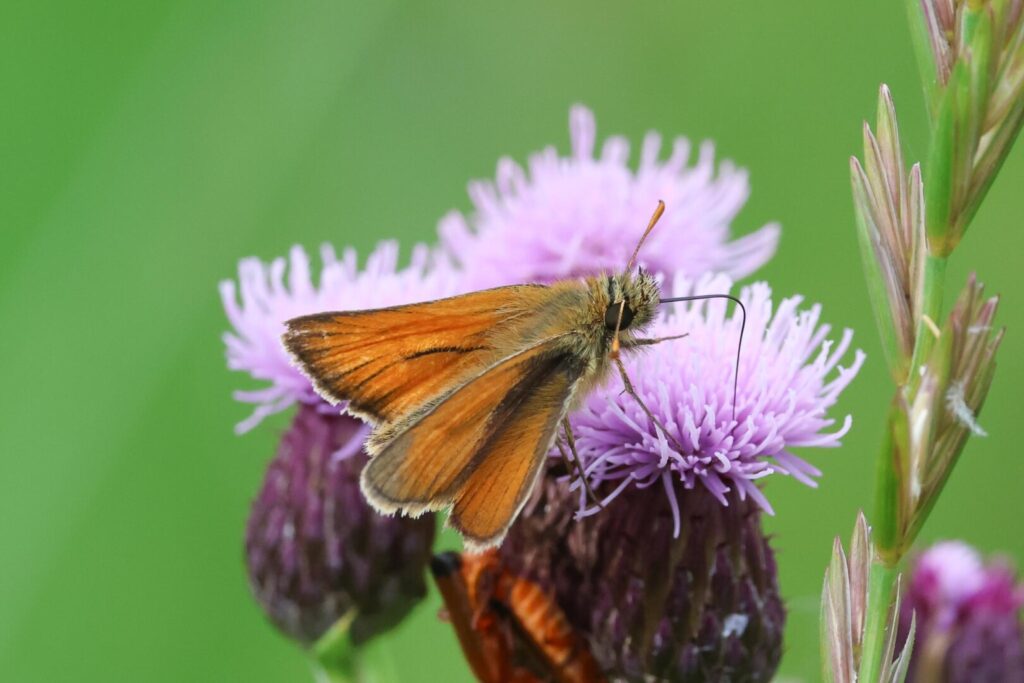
479,447
507,466
387,362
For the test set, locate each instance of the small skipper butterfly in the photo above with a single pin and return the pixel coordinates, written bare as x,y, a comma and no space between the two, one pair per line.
467,393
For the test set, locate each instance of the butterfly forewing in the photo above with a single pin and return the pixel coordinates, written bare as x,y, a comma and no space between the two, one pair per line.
387,362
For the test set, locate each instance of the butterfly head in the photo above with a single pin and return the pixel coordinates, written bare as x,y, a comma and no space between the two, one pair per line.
634,298
632,301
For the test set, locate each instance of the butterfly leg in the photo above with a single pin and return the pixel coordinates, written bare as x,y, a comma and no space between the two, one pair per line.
628,388
575,462
651,342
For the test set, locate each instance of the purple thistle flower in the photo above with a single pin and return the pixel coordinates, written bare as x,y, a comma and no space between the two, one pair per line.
270,293
582,214
968,617
315,550
789,376
674,580
655,605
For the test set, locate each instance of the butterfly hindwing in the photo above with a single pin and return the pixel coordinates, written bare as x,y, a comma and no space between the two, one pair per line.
480,447
507,467
387,362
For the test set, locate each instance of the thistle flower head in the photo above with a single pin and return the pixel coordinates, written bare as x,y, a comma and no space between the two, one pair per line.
581,214
950,580
703,605
316,552
268,294
789,377
968,616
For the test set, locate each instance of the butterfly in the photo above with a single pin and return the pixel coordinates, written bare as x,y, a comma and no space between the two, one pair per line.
467,393
510,629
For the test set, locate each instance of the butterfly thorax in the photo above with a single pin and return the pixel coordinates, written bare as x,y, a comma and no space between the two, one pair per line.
582,314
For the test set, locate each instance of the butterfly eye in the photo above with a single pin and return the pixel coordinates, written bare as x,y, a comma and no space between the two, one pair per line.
611,316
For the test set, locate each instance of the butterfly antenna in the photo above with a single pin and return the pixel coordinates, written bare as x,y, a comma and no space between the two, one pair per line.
739,346
650,226
660,209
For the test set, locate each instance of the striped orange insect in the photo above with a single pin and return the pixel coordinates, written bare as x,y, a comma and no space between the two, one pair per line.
467,393
510,630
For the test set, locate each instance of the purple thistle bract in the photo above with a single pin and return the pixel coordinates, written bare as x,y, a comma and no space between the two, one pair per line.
582,214
315,550
789,377
702,605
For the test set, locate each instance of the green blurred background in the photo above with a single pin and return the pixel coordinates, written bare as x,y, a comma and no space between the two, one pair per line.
146,146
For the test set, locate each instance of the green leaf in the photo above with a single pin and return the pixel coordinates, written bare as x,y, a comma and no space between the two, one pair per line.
980,58
902,662
880,593
890,477
1004,116
335,658
929,303
974,97
825,633
926,65
895,667
836,603
860,560
939,172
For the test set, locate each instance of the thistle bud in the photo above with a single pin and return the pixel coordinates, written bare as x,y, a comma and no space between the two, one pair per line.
968,617
315,550
703,605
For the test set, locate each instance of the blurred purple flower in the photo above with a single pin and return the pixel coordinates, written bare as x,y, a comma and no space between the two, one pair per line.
581,214
270,293
315,550
968,617
789,376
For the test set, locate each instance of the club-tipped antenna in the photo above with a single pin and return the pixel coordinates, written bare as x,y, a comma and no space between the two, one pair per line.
650,226
660,209
739,346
